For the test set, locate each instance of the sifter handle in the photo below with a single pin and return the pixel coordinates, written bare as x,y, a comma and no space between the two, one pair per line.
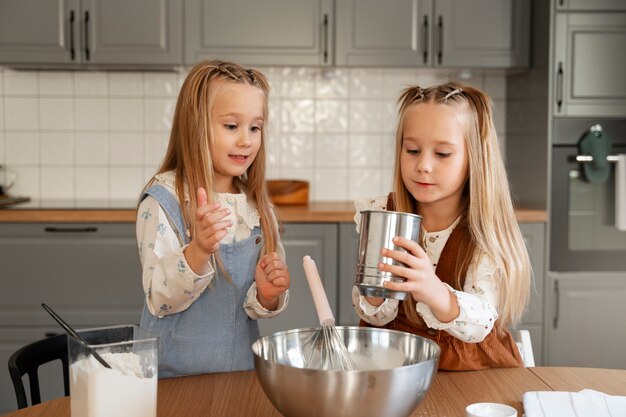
324,312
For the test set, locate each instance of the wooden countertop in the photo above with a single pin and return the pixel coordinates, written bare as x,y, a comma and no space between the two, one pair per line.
327,212
240,393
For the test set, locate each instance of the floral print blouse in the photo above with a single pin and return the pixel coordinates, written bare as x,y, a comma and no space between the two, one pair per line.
477,301
169,284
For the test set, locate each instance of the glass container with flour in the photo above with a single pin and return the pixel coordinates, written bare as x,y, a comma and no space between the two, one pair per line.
128,387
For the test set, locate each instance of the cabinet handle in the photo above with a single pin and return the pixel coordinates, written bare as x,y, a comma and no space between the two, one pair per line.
71,229
50,334
72,50
440,51
87,35
559,87
325,34
555,323
425,39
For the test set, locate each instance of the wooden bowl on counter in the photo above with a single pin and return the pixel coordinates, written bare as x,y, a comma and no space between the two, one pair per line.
289,192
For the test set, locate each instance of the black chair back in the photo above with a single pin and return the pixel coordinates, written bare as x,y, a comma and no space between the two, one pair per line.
29,358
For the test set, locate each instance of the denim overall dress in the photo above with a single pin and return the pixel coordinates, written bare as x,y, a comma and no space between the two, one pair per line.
214,334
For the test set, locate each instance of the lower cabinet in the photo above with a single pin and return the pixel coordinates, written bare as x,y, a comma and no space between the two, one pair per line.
585,320
89,273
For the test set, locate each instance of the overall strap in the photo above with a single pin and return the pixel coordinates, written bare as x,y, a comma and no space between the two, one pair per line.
170,205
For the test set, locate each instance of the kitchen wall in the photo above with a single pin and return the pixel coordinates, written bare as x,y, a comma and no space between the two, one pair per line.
82,136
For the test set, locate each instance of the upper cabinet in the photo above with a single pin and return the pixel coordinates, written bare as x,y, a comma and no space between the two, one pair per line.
589,65
441,33
268,32
98,32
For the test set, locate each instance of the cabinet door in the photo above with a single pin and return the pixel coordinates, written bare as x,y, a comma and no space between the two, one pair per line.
50,374
348,256
534,236
131,32
319,241
586,326
35,31
589,64
269,32
89,273
481,33
373,32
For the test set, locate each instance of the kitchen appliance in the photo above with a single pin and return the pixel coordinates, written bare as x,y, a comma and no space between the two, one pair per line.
583,234
401,369
378,228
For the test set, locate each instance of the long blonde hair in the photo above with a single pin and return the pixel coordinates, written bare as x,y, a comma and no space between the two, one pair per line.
191,141
487,206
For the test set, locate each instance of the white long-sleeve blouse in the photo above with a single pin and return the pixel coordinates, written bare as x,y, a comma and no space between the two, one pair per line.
169,284
477,301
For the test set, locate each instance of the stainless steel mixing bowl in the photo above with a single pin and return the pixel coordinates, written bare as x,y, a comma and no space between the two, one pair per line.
394,371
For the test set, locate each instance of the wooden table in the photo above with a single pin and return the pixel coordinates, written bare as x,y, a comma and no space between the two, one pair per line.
239,393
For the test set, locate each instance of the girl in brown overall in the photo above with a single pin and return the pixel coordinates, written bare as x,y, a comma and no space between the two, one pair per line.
468,278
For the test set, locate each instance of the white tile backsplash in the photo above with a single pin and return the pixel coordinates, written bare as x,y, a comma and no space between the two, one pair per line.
22,148
57,148
55,83
20,83
92,148
92,183
57,183
84,135
91,84
21,113
91,114
56,113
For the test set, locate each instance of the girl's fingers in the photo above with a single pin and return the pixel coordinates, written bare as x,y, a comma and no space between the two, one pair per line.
201,196
411,246
400,256
397,270
202,211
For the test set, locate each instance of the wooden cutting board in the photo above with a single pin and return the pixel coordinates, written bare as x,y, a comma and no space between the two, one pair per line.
6,200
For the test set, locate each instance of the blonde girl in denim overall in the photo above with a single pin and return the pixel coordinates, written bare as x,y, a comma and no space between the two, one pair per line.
207,234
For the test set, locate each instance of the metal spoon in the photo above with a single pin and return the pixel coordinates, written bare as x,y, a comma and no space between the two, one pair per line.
72,332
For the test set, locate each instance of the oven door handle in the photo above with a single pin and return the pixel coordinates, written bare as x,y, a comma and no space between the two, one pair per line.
588,158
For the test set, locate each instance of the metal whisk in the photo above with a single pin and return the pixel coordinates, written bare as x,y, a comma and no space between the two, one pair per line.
332,351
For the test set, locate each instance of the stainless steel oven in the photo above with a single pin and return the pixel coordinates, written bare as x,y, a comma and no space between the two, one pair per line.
583,235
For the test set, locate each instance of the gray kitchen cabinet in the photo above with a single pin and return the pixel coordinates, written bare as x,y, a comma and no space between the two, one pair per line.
534,236
76,33
589,64
586,324
441,33
348,253
88,272
270,32
532,320
319,241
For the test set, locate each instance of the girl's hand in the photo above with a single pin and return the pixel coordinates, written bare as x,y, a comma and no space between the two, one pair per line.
272,279
210,229
210,226
421,280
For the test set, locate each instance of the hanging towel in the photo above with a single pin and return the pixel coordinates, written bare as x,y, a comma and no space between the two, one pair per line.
573,404
598,145
620,192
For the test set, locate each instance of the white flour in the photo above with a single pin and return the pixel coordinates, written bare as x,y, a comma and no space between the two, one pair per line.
121,391
378,358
